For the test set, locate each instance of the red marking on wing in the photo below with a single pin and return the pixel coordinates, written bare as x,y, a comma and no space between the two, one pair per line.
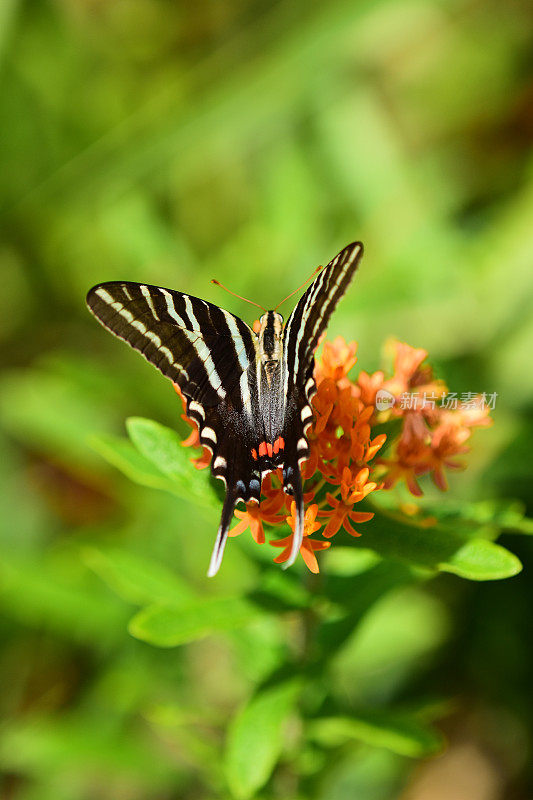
279,444
268,449
254,454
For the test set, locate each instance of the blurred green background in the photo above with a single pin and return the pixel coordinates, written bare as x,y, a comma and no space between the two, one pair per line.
171,142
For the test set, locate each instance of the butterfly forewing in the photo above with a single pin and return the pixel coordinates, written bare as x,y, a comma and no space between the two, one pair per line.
302,333
311,315
196,344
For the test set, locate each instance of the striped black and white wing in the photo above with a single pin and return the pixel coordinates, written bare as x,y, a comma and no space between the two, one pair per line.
211,355
199,346
311,316
301,335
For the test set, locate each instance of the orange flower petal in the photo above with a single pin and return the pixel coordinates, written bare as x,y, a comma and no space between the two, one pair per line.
310,559
348,528
361,516
239,528
333,526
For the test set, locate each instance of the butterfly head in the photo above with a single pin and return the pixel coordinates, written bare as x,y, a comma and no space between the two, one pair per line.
270,334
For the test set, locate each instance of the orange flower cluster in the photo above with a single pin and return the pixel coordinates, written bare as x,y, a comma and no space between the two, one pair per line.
342,468
434,430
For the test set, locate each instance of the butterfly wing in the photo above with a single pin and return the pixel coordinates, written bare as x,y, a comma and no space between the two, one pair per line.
301,335
211,355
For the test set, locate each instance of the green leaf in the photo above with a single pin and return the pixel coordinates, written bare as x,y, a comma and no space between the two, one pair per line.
400,733
123,455
155,457
136,578
481,560
255,738
164,449
437,548
169,626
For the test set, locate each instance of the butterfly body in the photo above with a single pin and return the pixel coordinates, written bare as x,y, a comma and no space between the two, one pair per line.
249,393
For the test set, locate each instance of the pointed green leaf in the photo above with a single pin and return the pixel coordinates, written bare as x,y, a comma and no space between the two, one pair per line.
124,456
437,548
172,625
255,739
481,560
400,733
163,448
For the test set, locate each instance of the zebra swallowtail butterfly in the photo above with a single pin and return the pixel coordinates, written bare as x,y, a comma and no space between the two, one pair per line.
250,393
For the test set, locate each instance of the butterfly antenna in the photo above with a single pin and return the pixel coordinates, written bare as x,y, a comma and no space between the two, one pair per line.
317,270
217,283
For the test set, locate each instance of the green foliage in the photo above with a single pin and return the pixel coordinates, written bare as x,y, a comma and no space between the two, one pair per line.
399,733
168,626
450,545
256,738
137,579
170,143
163,448
440,547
